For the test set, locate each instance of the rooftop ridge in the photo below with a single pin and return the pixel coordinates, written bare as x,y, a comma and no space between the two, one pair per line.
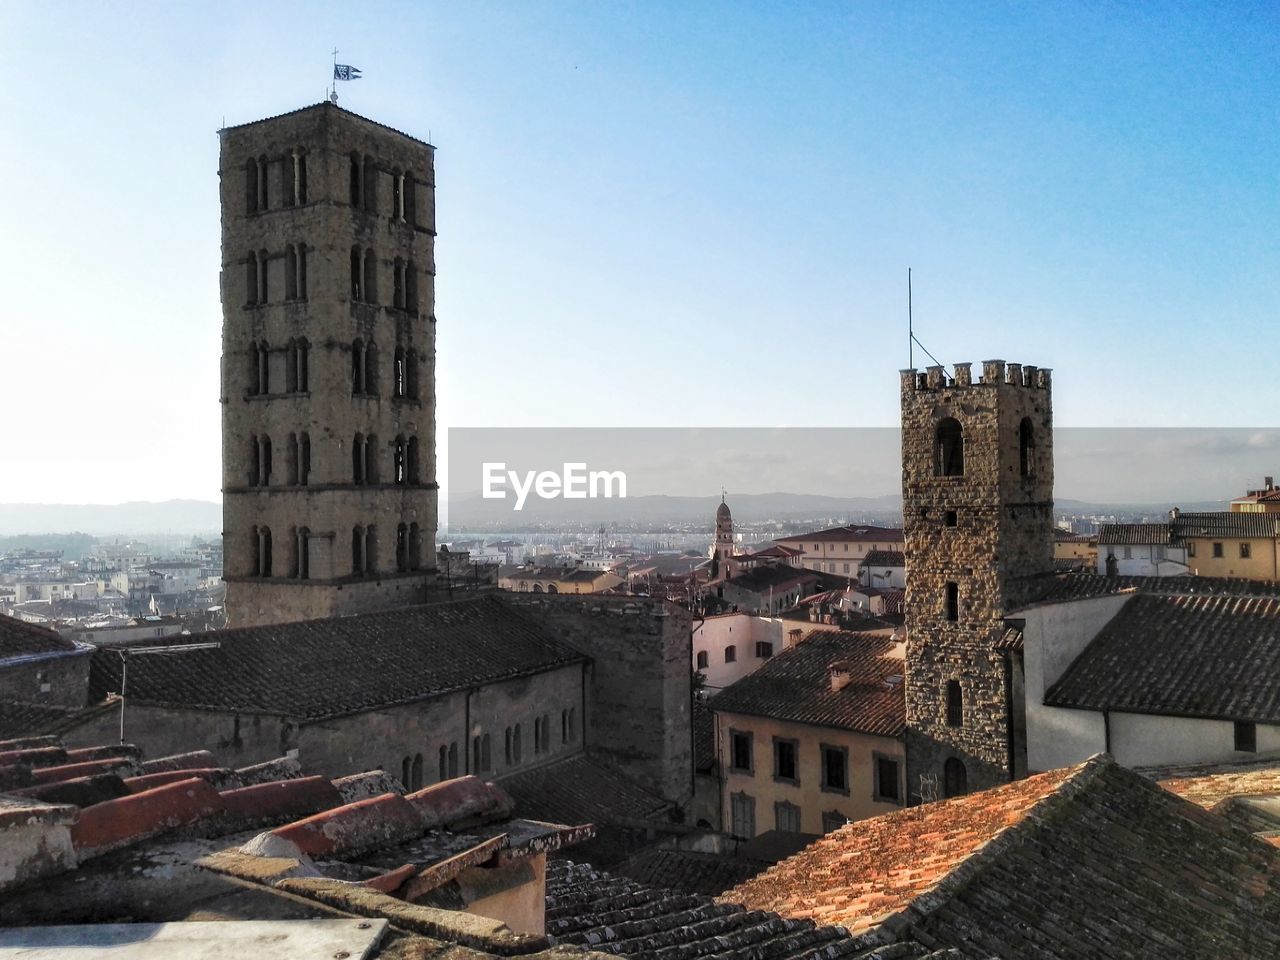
324,105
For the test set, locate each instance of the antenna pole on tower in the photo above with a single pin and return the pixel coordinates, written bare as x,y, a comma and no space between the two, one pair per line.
911,336
333,78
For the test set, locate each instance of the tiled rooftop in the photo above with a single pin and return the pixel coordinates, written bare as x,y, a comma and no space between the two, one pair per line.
1093,861
1197,656
615,915
1142,534
764,579
689,871
796,684
1210,784
20,639
1065,587
582,789
885,558
325,668
1226,523
853,532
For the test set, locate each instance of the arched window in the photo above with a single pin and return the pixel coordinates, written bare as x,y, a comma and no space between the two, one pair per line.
251,185
357,551
417,771
730,653
397,284
291,460
357,458
357,367
264,368
415,547
410,199
1026,448
371,549
291,366
402,547
949,448
444,763
356,180
357,275
255,370
370,277
371,369
304,458
262,183
703,660
296,193
263,293
411,460
255,460
955,779
302,365
302,271
251,279
290,273
371,459
411,373
955,704
397,373
264,536
515,744
411,287
397,195
264,461
398,461
304,553
370,185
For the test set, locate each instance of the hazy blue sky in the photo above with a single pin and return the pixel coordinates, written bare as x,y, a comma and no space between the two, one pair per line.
651,214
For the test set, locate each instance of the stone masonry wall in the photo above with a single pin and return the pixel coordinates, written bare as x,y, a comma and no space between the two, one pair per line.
327,315
978,530
639,700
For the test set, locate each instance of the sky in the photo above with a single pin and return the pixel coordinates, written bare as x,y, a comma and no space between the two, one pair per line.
651,214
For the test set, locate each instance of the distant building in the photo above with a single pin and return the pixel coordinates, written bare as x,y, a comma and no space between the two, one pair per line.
766,590
883,569
840,550
557,580
728,646
1139,550
1264,500
1220,543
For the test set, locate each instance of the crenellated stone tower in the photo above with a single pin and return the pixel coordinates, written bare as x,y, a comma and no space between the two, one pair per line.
328,366
977,492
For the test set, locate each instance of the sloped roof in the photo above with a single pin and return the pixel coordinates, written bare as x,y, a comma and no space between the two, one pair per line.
689,871
1210,784
1090,861
582,789
590,908
795,685
885,558
21,639
1226,523
1182,656
325,668
852,532
763,579
1135,534
1063,587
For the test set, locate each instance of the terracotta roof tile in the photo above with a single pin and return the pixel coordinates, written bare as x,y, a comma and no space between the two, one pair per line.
1093,861
1218,657
885,558
21,639
796,685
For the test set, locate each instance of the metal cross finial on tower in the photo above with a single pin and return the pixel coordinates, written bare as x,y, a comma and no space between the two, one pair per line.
723,493
333,78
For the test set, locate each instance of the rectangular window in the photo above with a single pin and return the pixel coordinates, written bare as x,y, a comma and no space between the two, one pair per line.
1191,548
764,649
743,815
833,820
951,606
886,785
785,760
951,518
740,760
1244,551
786,816
1217,549
835,769
1246,737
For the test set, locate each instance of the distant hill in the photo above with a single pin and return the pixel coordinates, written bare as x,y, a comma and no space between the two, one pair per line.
137,518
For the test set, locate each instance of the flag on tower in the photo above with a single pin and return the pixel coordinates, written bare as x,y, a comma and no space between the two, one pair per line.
343,71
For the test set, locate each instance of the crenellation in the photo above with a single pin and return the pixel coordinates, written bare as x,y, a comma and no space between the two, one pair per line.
982,452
